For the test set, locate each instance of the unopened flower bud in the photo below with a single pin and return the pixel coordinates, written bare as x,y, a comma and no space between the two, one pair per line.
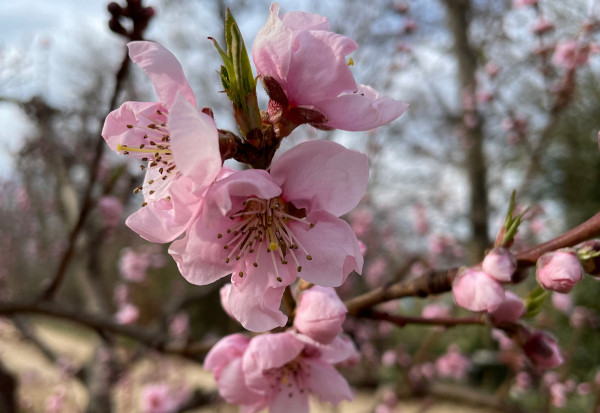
475,290
500,263
559,270
542,349
510,310
320,314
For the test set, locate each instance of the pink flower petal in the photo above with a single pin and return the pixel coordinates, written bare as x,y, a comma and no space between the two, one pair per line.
224,352
255,304
368,110
232,386
200,259
272,46
265,352
325,381
116,128
299,20
163,69
333,247
289,400
322,175
318,68
163,221
195,143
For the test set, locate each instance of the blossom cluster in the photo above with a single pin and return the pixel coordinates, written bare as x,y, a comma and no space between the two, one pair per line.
265,226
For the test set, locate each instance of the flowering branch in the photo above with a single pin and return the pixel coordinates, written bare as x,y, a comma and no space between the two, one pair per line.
439,281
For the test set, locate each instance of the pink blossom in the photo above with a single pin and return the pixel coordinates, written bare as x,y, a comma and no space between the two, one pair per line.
559,270
320,314
361,221
542,26
111,209
562,302
523,381
224,296
500,263
121,294
363,248
267,228
474,290
524,3
492,69
510,310
179,326
376,271
166,135
127,314
279,371
309,63
133,264
453,364
389,358
504,342
584,388
435,311
542,349
570,54
558,395
158,398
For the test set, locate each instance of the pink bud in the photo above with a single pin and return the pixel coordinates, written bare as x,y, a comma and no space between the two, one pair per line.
511,309
320,314
542,349
500,264
559,270
477,291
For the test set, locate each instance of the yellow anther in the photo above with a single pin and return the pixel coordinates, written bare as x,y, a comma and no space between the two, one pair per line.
350,62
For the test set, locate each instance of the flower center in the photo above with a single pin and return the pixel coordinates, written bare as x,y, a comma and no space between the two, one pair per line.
290,377
261,228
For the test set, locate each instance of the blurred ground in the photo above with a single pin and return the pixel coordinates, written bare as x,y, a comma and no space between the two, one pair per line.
39,378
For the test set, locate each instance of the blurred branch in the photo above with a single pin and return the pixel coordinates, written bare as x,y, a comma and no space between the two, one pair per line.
154,340
401,321
87,203
437,281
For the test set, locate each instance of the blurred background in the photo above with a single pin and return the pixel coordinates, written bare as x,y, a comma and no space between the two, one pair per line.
503,96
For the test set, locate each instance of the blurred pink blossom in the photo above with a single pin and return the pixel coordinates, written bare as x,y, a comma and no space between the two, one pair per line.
389,358
180,326
542,26
453,364
158,398
361,221
562,302
127,314
504,342
55,403
570,54
111,209
435,310
558,396
510,310
542,349
524,3
492,69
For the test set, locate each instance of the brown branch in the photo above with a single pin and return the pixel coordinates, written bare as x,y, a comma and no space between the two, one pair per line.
87,203
440,280
154,340
402,321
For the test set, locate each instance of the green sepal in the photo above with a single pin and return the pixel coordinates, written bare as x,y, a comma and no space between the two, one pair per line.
237,78
534,301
